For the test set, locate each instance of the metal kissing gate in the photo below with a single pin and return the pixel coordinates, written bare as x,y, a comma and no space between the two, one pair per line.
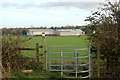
72,61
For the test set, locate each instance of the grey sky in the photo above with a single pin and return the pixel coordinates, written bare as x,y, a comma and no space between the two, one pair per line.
17,13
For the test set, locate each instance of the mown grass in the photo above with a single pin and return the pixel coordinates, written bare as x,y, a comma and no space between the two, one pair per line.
58,40
54,40
51,40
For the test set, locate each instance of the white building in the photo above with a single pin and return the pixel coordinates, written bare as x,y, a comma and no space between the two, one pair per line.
59,32
32,32
70,32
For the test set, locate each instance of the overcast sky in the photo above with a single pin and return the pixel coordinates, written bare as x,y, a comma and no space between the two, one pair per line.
23,13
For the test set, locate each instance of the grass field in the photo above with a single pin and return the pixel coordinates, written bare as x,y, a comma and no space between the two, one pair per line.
50,40
55,40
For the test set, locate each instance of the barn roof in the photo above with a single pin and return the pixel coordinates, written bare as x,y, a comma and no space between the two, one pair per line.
40,29
71,30
51,30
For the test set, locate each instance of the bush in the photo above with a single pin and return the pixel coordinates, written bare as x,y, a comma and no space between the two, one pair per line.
106,39
12,58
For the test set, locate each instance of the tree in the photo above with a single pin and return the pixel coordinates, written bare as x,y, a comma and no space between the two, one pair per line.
105,22
119,19
24,32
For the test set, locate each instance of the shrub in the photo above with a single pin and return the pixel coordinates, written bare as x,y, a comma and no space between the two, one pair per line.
106,39
11,56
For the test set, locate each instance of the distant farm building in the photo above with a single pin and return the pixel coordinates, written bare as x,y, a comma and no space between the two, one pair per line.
32,32
69,32
57,32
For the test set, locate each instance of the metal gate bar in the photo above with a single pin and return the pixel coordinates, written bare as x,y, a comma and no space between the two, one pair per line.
75,58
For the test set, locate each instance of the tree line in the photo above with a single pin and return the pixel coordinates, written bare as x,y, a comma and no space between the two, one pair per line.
23,31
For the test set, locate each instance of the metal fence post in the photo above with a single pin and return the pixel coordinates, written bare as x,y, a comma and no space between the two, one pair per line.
74,50
61,63
76,61
49,61
89,64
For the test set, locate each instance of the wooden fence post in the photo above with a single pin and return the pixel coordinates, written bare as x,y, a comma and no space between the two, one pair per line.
37,52
43,39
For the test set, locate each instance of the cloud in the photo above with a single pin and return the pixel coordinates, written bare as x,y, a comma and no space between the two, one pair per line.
17,14
49,4
85,0
10,1
7,4
55,18
80,4
58,12
81,0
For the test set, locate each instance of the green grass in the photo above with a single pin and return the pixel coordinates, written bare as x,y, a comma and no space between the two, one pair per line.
41,74
51,40
55,40
58,40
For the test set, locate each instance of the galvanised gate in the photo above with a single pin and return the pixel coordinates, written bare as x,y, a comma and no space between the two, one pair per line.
72,61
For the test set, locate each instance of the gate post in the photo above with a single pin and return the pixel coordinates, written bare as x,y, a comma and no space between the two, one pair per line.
43,39
90,62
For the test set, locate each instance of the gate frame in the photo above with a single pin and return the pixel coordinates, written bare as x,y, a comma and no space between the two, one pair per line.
76,60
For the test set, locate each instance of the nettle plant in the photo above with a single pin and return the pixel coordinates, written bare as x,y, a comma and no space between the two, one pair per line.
104,24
